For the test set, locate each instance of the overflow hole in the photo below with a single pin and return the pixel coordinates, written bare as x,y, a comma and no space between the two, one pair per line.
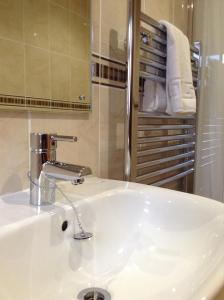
64,225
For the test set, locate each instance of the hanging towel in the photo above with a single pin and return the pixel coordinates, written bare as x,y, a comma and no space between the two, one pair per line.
181,97
154,99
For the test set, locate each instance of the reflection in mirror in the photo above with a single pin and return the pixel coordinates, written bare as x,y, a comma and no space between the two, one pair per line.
45,55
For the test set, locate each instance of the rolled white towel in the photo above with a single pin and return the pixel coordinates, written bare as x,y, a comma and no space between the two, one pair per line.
154,99
181,98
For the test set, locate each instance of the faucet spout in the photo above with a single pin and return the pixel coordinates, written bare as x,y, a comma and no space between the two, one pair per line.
64,171
45,169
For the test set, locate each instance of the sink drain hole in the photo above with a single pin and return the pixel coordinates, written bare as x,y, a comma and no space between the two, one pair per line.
94,294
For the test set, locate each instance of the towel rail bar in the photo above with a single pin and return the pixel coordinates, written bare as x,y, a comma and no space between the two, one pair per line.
154,36
164,160
173,178
164,171
153,71
165,138
150,21
162,116
164,127
153,57
159,148
194,49
154,51
152,63
142,153
160,66
150,76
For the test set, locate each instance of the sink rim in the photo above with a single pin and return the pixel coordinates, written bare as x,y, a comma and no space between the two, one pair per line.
208,289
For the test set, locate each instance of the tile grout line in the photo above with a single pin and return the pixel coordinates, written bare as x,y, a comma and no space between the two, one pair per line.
28,115
99,97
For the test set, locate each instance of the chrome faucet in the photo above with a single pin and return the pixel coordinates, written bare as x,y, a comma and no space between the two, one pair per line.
44,169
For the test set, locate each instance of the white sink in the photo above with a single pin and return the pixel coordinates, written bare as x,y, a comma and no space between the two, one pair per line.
149,244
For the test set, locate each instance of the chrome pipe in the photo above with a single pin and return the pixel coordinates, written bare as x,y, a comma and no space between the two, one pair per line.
127,132
174,178
154,36
164,171
153,77
148,20
153,50
162,116
142,153
164,160
164,127
143,140
152,63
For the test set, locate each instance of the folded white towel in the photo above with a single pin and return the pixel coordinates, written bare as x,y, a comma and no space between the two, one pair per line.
181,97
154,99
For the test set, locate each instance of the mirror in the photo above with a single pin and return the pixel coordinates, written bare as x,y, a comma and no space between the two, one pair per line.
45,55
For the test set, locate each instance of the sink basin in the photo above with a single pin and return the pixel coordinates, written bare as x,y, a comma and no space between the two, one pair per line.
148,244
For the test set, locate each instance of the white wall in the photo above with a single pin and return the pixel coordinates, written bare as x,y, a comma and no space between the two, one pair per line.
208,28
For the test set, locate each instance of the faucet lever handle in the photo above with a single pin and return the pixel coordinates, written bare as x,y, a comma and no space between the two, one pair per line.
64,138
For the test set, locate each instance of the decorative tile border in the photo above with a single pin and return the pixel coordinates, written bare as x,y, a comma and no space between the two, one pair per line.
105,71
108,72
38,104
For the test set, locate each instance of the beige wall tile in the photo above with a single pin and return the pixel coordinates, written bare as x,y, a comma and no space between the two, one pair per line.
81,7
159,9
80,37
114,29
12,68
143,5
199,25
59,29
174,11
62,3
112,104
60,77
82,125
50,26
14,151
101,132
96,29
95,39
95,12
80,79
75,6
37,72
11,19
85,9
36,23
180,15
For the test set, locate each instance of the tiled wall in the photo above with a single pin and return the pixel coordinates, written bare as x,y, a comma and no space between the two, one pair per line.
44,44
109,40
174,11
100,133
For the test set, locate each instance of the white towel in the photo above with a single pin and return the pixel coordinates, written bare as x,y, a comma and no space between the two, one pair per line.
181,97
154,99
